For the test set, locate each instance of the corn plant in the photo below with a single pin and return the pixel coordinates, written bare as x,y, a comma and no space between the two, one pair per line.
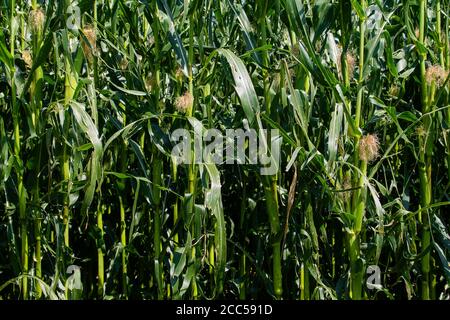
351,96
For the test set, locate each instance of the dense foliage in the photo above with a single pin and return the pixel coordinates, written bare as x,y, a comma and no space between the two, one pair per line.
95,206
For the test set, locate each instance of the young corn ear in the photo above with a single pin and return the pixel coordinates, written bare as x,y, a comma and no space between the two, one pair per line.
435,74
368,148
185,102
36,20
89,42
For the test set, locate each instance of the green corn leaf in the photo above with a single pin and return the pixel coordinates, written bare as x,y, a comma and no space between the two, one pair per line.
167,21
87,125
243,84
213,201
246,29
